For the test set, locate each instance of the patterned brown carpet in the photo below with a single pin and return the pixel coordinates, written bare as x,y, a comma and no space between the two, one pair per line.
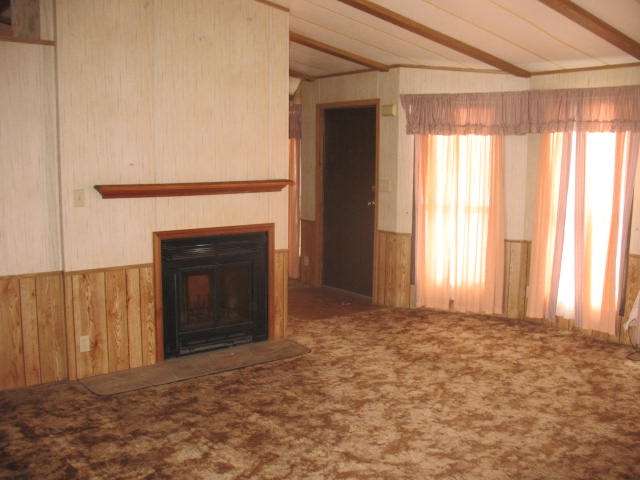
384,394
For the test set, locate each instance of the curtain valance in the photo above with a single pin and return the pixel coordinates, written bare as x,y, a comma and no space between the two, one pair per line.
295,121
610,109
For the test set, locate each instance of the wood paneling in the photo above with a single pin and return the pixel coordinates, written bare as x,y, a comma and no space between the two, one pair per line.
29,317
51,328
11,348
147,316
33,344
114,307
90,318
308,272
280,294
134,324
516,277
46,314
392,269
72,363
117,328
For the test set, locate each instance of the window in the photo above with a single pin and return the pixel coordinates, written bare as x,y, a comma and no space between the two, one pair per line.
459,222
581,227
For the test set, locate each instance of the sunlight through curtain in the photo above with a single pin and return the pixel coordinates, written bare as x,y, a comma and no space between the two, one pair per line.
459,222
582,221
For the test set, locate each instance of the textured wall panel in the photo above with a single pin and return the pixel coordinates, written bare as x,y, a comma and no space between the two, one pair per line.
30,239
153,92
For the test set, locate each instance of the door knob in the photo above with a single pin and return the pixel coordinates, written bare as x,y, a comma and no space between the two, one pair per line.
371,203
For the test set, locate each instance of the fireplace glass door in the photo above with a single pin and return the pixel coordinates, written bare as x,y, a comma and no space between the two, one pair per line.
214,292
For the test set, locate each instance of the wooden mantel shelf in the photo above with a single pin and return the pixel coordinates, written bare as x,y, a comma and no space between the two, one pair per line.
138,190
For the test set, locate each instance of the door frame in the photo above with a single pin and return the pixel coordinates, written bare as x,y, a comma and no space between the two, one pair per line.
318,260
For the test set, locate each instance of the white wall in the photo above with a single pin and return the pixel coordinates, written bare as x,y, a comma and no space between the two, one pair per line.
29,207
158,92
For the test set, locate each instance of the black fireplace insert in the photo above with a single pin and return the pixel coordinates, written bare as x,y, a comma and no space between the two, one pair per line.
214,291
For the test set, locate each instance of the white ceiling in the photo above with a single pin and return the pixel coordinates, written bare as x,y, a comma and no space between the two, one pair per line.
525,33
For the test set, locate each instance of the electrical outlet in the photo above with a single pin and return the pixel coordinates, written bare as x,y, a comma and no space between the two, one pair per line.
79,198
85,346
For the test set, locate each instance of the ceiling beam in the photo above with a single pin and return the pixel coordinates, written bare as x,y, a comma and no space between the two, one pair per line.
596,26
337,52
435,36
301,76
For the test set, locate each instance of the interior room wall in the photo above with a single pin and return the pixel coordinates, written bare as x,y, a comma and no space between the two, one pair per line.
148,91
30,234
158,92
363,86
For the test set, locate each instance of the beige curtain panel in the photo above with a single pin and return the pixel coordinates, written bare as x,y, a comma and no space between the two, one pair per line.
611,109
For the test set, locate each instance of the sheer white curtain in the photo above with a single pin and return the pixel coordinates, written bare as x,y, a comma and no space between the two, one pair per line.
459,222
582,221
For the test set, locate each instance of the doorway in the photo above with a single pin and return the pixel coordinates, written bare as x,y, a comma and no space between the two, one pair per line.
349,145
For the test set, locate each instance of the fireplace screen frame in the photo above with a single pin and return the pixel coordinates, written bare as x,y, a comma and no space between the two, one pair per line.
216,235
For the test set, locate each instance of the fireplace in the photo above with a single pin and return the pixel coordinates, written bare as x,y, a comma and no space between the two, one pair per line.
215,290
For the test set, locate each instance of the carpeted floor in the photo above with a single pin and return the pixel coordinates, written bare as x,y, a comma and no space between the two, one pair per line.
384,394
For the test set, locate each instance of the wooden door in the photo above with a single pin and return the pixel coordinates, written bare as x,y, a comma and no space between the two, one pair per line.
349,162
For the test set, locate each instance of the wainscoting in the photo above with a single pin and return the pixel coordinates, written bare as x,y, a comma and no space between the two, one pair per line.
392,269
280,294
44,316
308,253
114,308
32,340
516,277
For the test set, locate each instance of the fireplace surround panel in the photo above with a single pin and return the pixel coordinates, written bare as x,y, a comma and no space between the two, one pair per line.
215,289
